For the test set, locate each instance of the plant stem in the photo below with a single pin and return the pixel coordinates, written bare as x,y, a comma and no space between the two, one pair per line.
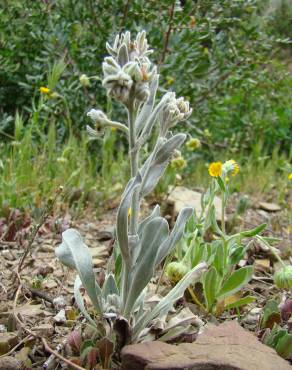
272,249
134,161
223,214
196,300
167,260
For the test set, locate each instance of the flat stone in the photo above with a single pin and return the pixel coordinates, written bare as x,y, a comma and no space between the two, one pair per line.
270,207
224,347
181,197
7,341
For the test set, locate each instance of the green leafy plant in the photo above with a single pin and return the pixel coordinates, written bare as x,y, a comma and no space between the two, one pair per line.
273,323
141,245
222,254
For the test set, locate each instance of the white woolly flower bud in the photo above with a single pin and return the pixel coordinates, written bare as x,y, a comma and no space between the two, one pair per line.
97,115
175,110
142,91
118,85
84,80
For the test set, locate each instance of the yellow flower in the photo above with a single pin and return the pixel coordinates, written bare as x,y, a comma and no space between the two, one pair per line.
178,163
84,80
129,212
215,169
169,80
235,167
45,90
231,166
193,144
290,176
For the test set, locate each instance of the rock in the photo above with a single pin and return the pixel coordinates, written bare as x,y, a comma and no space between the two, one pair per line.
59,302
7,341
29,310
9,363
60,318
270,207
107,233
227,346
45,330
253,317
181,197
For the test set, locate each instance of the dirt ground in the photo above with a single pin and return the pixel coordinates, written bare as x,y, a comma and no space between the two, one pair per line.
36,301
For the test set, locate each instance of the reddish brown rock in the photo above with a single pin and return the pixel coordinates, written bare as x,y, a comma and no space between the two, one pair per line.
224,347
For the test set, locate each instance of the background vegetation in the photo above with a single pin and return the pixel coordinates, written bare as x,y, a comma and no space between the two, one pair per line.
231,59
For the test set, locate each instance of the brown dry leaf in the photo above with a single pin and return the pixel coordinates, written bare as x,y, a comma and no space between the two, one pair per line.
262,265
106,348
184,318
22,356
30,310
7,341
71,314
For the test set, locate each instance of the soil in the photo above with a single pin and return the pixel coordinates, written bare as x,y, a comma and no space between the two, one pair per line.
41,294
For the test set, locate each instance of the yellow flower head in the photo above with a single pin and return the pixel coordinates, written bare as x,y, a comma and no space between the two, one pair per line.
231,166
215,169
169,80
178,163
290,176
45,90
84,80
193,144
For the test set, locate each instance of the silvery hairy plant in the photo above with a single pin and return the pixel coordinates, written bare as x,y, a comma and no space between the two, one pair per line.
131,79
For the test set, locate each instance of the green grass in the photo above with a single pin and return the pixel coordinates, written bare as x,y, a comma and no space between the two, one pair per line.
262,176
34,165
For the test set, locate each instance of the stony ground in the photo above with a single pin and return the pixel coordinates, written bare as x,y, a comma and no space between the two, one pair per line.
37,311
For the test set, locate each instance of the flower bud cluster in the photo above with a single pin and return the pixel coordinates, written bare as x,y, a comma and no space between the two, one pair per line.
176,271
283,278
174,111
231,166
193,144
97,116
128,68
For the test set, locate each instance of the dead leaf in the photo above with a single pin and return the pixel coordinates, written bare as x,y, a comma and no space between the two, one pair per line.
22,356
105,348
30,310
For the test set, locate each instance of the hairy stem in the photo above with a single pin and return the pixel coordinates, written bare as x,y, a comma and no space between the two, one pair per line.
223,214
134,161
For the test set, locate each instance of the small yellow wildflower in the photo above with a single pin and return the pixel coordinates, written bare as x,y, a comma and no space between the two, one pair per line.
45,90
193,144
231,166
227,179
178,163
129,212
207,133
169,80
215,169
84,80
290,176
235,167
